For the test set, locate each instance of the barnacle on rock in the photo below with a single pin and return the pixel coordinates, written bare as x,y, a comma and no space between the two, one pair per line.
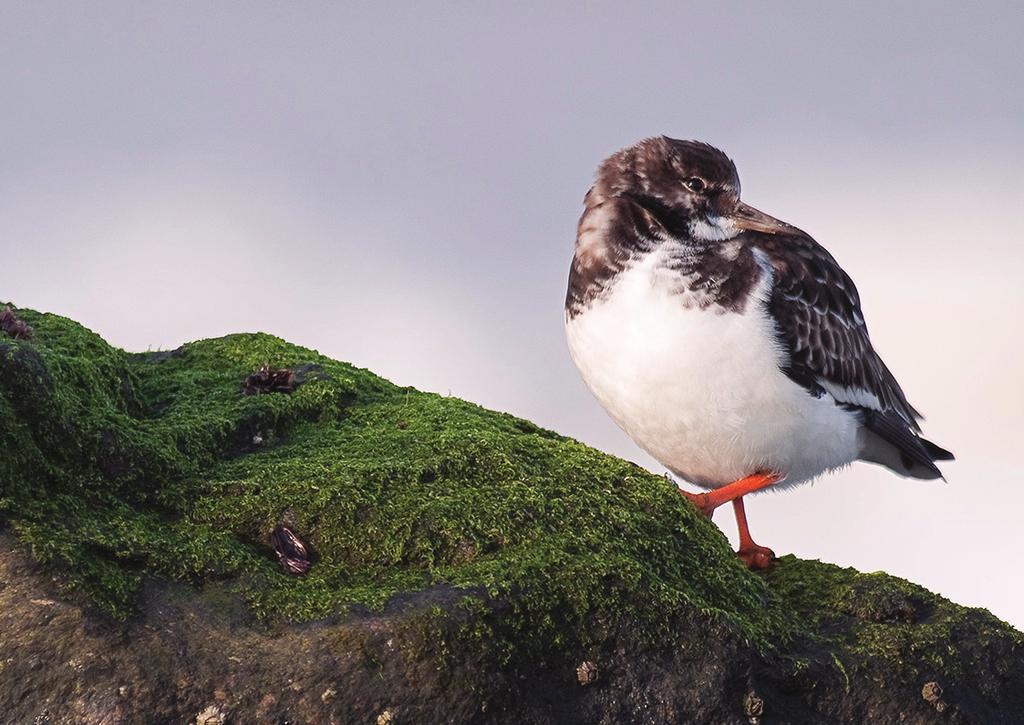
212,715
753,707
932,694
587,673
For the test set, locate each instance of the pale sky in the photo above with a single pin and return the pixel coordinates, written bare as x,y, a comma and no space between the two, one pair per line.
398,186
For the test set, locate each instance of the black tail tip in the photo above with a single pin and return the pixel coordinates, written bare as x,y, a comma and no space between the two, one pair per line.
937,453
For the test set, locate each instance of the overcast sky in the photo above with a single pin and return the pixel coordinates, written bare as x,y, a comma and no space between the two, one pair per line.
399,186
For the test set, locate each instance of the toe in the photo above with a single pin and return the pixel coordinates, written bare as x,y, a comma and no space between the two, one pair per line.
700,500
758,557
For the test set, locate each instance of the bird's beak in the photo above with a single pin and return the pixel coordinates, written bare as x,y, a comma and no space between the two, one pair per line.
747,217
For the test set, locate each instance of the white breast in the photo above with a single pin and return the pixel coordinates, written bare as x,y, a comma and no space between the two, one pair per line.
700,389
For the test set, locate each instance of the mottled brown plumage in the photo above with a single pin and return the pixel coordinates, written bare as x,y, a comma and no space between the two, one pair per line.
684,196
637,201
730,345
817,309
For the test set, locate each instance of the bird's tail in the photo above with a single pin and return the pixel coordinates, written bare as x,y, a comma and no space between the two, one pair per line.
888,440
937,453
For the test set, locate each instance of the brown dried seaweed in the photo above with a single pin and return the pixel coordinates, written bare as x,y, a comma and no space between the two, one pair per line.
13,325
269,380
292,553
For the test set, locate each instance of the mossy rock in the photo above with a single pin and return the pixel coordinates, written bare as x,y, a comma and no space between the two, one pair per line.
499,556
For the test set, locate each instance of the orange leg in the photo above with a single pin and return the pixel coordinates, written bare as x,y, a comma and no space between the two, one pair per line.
708,502
754,556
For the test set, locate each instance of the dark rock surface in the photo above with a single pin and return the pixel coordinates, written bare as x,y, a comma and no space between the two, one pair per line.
464,566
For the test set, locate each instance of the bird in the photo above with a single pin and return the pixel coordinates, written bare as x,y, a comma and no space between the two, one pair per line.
729,345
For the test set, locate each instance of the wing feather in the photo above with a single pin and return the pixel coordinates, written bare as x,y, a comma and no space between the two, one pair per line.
817,309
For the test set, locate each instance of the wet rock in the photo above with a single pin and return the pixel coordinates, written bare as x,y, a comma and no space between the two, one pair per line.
477,588
267,702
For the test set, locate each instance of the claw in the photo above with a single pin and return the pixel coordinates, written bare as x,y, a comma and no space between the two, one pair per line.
757,557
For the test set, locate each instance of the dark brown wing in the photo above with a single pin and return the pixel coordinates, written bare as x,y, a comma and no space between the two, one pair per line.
817,311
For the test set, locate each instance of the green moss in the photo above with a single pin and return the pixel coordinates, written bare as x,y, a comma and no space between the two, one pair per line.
129,466
872,625
119,467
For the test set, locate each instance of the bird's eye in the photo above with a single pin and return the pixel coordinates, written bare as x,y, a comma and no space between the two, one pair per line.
695,184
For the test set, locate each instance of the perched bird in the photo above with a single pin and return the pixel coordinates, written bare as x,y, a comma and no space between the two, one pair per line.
728,344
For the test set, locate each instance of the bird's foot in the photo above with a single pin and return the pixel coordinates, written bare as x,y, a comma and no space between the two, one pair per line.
756,557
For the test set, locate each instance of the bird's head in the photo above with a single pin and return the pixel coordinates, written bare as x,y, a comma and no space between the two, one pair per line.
690,186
